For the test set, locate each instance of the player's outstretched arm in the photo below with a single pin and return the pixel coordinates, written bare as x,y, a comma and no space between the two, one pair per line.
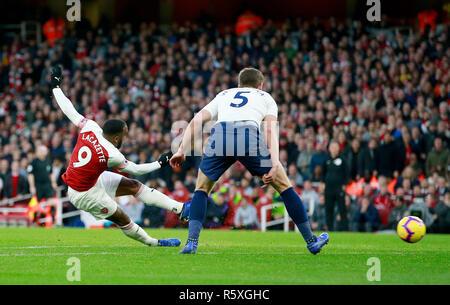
188,137
145,168
63,102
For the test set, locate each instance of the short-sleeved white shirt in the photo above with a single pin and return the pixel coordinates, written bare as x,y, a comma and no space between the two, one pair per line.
241,104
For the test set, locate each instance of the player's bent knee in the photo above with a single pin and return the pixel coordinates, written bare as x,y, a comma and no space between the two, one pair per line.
135,186
281,187
128,187
204,183
204,186
203,189
282,182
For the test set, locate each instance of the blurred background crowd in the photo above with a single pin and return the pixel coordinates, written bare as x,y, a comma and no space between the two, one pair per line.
384,97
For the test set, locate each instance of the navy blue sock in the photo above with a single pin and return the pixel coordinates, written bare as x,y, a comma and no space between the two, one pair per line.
197,214
296,210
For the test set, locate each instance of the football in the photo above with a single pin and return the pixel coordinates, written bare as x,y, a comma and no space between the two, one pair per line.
411,229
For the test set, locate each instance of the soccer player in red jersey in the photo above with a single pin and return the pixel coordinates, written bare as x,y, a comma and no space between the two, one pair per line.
92,188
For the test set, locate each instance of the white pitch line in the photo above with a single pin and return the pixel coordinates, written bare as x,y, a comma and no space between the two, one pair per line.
64,254
45,247
70,246
117,253
291,253
176,253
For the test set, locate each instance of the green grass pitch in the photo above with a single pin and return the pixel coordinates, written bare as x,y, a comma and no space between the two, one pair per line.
39,256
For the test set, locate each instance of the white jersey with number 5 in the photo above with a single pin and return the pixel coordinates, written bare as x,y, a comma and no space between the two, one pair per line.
242,104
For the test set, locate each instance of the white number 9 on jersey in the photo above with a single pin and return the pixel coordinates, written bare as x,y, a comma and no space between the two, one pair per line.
83,160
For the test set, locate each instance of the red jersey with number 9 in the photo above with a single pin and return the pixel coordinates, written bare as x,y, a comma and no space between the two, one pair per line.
92,155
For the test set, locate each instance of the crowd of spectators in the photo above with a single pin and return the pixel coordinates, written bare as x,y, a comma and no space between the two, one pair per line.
384,98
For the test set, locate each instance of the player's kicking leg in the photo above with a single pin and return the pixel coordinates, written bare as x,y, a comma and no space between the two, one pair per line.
133,231
152,197
99,202
116,185
297,212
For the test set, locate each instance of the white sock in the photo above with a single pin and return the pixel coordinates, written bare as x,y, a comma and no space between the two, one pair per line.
154,197
135,232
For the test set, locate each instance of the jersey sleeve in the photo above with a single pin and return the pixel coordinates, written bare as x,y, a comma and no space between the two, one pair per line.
212,107
115,157
272,108
67,107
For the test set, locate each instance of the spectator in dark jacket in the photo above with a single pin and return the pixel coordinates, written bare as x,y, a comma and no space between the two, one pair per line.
441,215
153,217
304,160
417,144
216,212
408,174
15,183
367,217
4,170
318,158
367,160
351,155
319,221
386,157
429,137
402,150
437,159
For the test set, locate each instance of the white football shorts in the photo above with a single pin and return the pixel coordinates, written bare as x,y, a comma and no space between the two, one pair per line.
99,199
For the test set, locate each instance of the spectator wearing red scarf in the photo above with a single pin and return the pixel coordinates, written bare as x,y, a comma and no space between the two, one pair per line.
15,183
383,203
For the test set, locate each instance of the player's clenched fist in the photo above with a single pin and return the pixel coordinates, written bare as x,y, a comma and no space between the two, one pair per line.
165,158
56,77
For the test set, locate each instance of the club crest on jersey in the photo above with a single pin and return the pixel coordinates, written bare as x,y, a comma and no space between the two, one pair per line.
104,210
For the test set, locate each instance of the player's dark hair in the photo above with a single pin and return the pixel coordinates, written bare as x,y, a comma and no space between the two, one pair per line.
113,127
250,77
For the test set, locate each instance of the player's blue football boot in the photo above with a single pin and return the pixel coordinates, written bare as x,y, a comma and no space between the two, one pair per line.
184,215
321,240
190,247
171,242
